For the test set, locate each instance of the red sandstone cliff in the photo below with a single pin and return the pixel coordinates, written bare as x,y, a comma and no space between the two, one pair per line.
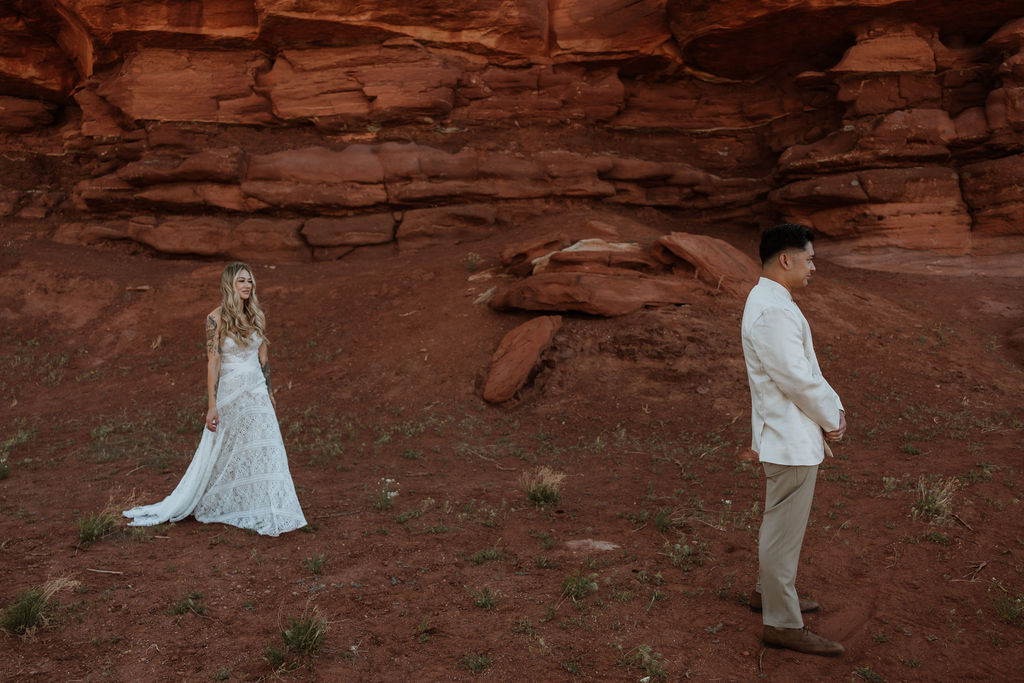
279,129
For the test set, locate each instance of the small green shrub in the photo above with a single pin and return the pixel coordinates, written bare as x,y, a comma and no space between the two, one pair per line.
485,598
686,554
663,519
983,472
424,630
473,261
650,661
34,607
275,657
936,537
383,498
578,585
476,662
868,674
524,625
1009,608
544,562
315,564
193,602
98,526
485,555
547,541
20,434
305,635
26,613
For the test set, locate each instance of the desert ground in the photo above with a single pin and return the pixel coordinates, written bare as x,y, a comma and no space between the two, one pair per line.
424,556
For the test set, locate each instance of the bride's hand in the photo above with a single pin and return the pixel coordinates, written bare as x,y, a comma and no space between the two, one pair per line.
212,419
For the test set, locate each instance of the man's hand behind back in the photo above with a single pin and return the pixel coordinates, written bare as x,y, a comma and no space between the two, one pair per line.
837,434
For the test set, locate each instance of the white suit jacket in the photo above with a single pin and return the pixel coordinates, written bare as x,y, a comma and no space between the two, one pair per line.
791,403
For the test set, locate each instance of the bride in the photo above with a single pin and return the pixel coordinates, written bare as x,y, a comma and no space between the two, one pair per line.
239,474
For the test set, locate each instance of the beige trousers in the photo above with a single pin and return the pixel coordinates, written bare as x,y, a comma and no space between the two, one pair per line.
789,490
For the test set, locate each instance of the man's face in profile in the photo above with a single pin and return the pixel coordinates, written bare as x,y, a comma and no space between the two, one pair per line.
801,266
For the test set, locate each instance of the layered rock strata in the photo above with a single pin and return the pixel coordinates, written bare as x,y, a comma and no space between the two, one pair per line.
892,127
903,170
381,184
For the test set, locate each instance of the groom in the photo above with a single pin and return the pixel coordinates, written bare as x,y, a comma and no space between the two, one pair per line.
794,413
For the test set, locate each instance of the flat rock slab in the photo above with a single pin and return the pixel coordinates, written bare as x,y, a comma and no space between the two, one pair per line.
718,263
517,355
587,544
595,293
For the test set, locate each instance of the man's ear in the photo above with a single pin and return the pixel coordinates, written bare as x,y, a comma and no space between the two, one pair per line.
784,260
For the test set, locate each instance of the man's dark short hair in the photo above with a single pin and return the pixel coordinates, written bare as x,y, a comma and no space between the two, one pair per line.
784,236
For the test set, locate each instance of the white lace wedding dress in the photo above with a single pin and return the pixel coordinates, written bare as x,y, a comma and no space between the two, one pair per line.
239,474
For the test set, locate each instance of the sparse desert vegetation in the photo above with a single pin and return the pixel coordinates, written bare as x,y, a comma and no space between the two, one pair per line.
601,527
543,486
35,607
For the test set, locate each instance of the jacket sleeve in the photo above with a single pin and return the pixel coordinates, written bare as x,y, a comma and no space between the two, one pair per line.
777,336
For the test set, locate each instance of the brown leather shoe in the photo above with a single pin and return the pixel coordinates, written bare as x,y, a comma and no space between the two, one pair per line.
801,640
805,605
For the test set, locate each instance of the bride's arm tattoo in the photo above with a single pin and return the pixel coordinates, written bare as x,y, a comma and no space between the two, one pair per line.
212,347
265,367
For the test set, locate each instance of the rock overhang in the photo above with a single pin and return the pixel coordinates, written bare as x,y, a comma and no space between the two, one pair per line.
749,39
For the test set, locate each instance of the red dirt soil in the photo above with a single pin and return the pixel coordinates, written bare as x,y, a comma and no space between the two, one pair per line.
380,358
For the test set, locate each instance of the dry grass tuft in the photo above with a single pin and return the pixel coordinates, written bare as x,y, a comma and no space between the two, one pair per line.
934,503
543,486
109,523
34,607
1009,605
99,525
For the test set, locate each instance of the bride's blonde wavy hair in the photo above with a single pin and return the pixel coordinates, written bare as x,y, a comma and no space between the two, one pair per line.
238,318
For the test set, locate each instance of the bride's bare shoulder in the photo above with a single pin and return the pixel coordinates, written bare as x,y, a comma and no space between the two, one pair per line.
214,315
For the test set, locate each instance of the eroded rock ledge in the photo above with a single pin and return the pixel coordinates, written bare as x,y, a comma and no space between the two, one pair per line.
384,183
893,128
